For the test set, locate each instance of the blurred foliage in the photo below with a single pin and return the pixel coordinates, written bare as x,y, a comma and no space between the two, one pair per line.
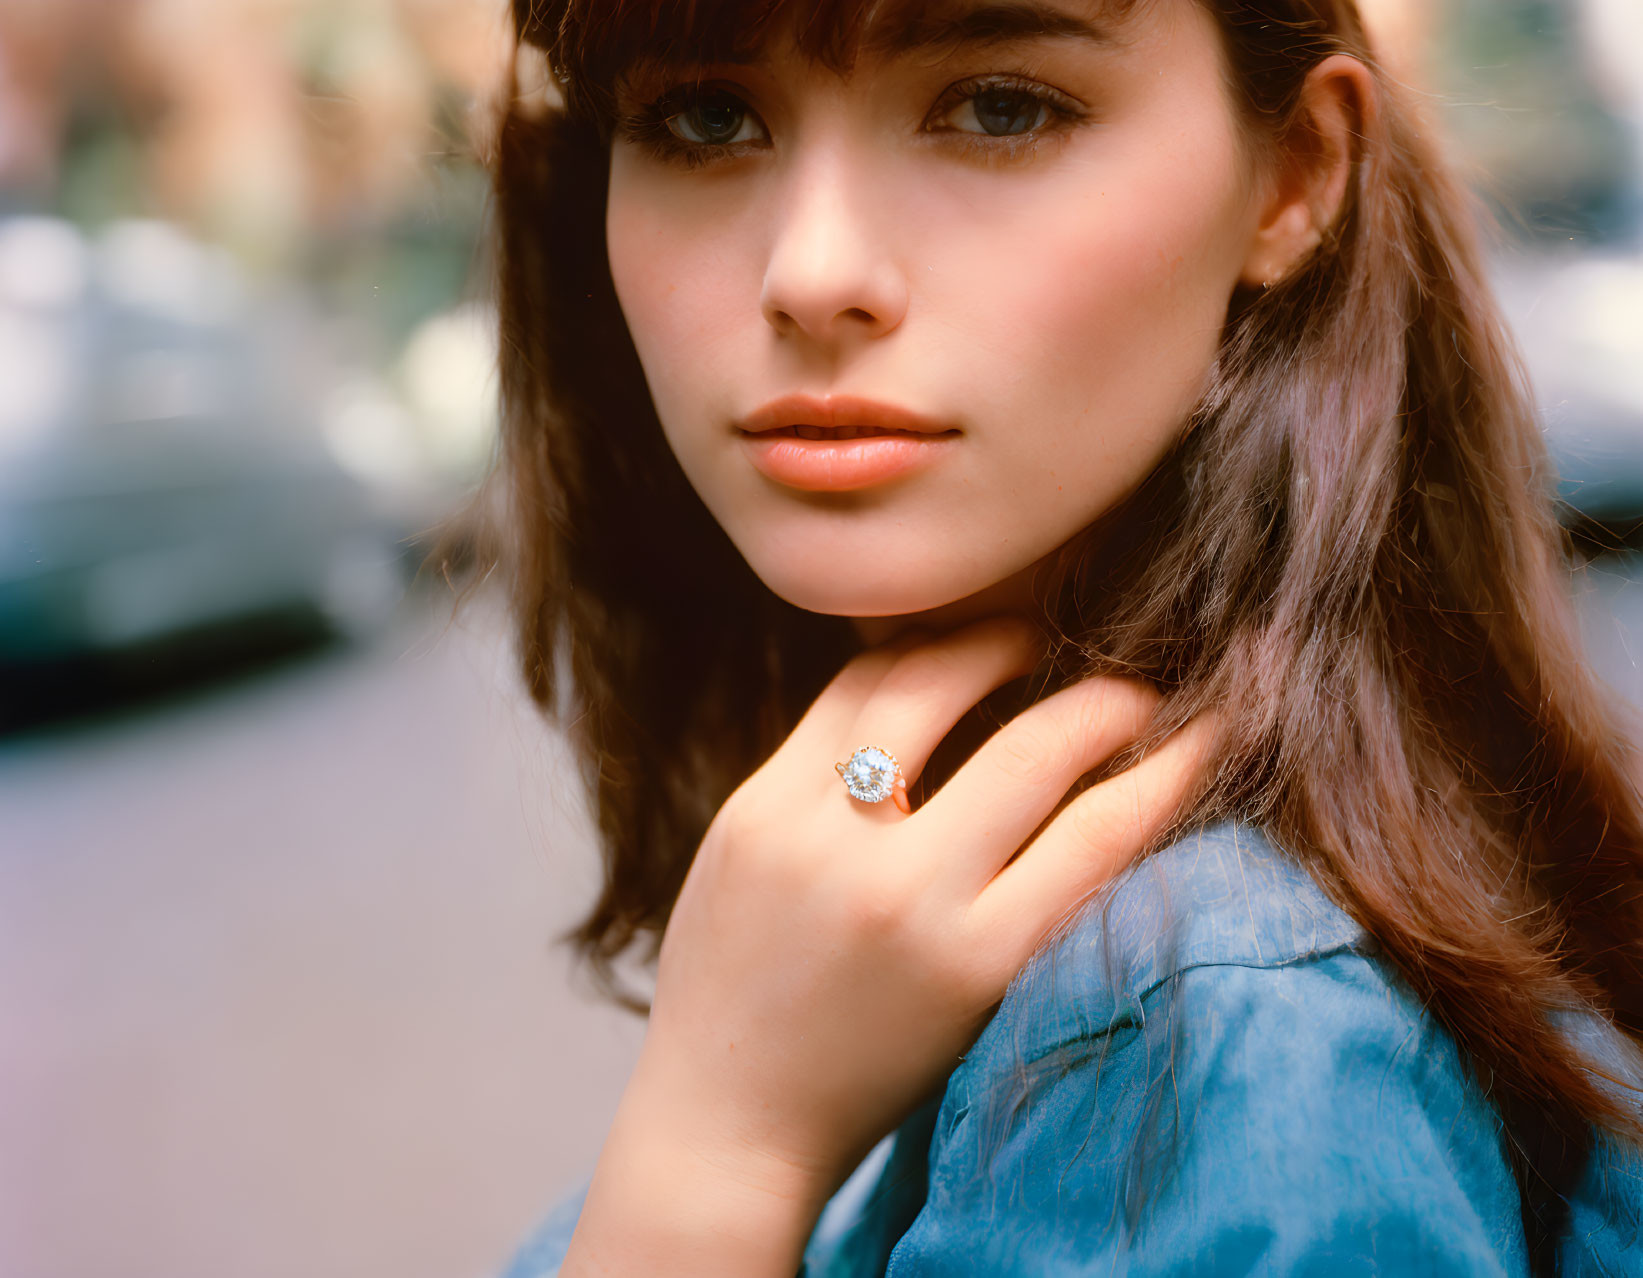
326,142
1556,161
423,257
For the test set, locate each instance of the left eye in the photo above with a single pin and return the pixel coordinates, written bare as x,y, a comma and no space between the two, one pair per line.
714,118
1000,112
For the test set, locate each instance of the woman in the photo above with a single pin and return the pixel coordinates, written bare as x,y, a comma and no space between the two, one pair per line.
1094,417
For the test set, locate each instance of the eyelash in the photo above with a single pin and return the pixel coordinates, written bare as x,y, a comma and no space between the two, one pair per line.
648,124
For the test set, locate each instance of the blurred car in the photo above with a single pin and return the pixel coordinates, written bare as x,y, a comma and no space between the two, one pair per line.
163,467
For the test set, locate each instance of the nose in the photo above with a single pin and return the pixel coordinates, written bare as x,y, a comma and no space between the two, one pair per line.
831,275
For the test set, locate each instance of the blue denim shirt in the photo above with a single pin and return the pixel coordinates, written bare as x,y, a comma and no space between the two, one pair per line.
1212,1073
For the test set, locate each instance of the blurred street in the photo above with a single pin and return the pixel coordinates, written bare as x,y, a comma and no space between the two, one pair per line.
276,990
1609,595
288,943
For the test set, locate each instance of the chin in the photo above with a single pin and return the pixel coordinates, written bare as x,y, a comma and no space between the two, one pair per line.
837,589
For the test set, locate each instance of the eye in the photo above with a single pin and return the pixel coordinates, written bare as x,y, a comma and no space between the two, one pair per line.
1000,112
1003,117
712,117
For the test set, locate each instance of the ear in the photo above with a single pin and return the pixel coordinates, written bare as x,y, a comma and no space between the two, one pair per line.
1307,184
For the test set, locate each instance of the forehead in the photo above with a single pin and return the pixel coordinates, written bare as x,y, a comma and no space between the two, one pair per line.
597,40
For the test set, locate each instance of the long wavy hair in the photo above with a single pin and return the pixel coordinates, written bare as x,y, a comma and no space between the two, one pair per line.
1353,552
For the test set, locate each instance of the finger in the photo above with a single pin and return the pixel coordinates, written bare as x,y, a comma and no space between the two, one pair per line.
930,688
830,716
1096,836
1010,786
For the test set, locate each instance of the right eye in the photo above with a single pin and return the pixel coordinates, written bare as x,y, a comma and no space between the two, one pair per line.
713,117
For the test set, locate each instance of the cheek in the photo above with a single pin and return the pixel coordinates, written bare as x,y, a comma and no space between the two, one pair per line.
1158,253
678,290
648,273
1116,299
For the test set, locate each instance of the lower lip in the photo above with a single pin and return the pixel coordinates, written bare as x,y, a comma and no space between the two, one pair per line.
842,465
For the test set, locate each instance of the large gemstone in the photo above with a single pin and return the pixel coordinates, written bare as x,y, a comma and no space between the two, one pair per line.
870,775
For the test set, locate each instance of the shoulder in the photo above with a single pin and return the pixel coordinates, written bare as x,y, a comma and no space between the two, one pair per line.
1215,1072
1219,968
1222,896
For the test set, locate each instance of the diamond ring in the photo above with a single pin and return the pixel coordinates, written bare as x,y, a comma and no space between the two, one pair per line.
871,774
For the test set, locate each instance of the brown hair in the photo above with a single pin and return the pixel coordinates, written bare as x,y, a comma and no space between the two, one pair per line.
1353,551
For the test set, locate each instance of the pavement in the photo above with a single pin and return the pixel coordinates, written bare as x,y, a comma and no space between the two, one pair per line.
278,993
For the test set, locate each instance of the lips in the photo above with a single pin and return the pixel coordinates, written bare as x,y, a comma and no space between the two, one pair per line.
841,443
839,413
807,431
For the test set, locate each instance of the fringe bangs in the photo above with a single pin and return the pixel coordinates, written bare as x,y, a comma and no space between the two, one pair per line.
590,43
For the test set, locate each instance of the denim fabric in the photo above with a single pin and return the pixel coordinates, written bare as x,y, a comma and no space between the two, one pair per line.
1211,1073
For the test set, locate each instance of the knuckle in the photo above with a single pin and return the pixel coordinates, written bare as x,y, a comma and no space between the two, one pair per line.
891,902
1140,699
739,820
1077,726
1109,820
967,987
1026,750
987,955
975,976
994,948
859,675
922,673
1104,706
873,910
1088,717
1091,829
748,828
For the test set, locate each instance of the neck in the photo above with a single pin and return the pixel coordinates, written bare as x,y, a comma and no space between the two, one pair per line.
1014,594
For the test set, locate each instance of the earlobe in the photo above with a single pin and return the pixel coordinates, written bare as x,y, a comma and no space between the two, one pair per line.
1314,164
1282,243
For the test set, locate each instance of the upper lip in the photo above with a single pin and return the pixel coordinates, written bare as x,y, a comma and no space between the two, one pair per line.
838,410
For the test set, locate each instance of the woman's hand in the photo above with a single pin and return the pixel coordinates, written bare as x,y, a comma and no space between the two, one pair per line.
828,961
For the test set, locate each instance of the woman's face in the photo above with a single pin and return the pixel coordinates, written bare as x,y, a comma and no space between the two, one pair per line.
1028,242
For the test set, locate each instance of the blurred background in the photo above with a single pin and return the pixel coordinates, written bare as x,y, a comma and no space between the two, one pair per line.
282,849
